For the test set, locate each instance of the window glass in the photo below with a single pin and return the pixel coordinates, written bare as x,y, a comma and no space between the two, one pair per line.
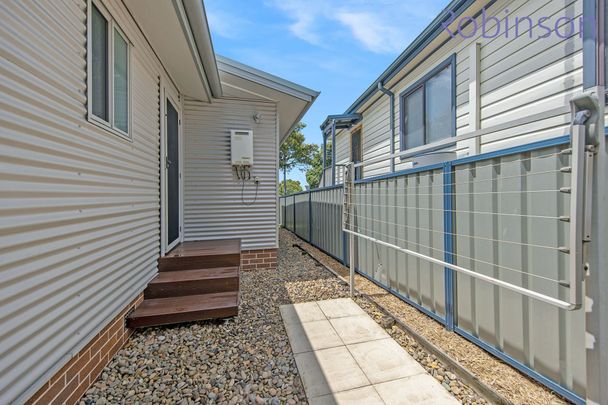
356,153
99,62
439,106
413,118
121,83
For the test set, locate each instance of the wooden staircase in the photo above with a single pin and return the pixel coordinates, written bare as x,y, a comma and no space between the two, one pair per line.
196,281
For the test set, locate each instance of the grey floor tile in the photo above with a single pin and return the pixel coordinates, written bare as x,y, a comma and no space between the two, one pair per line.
329,370
314,335
303,312
340,308
358,396
419,389
384,360
357,329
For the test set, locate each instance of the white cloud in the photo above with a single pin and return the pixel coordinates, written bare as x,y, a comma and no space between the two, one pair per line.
227,25
373,33
305,16
381,26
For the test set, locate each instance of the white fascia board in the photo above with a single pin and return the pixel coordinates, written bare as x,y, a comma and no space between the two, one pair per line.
266,79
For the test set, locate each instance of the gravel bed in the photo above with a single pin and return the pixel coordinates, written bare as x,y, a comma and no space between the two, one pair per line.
245,360
499,376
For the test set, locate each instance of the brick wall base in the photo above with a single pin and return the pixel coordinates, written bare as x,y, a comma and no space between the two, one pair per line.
70,383
258,259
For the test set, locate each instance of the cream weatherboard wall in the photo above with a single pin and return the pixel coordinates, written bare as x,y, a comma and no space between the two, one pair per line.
519,76
216,205
79,206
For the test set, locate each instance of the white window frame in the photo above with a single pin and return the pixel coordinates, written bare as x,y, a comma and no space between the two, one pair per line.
112,28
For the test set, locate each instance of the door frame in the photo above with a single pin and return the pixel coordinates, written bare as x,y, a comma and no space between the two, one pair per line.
167,92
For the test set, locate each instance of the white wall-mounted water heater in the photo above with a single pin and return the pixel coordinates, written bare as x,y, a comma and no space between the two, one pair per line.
241,145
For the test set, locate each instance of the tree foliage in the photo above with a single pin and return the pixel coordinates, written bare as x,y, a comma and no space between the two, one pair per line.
294,152
293,186
313,175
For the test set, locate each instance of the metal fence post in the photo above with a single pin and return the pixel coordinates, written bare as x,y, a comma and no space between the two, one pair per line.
294,214
309,216
448,242
349,187
344,236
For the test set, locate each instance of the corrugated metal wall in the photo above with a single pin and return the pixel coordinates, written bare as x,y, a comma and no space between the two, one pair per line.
547,339
327,220
525,233
289,213
281,211
406,211
79,206
302,209
217,205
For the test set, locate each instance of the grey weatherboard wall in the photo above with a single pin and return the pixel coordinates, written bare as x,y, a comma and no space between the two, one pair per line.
217,205
80,225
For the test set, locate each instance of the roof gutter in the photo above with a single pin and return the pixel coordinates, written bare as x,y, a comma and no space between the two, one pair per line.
195,11
450,13
266,79
273,82
391,97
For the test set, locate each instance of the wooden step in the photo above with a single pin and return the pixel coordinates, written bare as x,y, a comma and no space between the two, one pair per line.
189,308
193,282
202,255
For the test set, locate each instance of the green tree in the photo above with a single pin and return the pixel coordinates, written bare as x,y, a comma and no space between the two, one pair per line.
295,153
292,186
314,173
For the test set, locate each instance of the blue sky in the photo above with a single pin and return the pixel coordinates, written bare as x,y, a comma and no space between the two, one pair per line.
337,47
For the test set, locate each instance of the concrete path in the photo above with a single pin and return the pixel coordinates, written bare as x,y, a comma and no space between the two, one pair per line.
344,357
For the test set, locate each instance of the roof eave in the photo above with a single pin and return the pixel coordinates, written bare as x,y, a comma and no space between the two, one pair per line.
197,20
273,82
342,120
266,79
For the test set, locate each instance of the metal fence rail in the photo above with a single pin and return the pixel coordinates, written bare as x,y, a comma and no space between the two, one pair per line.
479,244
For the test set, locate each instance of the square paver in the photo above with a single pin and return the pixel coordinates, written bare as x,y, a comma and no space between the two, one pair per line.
384,360
300,313
314,335
340,308
357,329
329,370
418,389
366,395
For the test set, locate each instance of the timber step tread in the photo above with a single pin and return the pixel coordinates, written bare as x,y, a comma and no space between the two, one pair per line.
188,308
193,282
206,248
202,254
195,275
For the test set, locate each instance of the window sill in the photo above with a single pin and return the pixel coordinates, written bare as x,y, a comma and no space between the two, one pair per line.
424,150
104,125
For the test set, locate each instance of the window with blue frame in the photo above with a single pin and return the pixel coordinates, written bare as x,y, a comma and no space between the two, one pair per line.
428,112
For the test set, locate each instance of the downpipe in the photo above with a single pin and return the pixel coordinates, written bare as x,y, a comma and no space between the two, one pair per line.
391,96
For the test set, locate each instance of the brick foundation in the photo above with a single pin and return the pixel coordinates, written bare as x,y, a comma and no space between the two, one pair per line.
258,259
70,383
